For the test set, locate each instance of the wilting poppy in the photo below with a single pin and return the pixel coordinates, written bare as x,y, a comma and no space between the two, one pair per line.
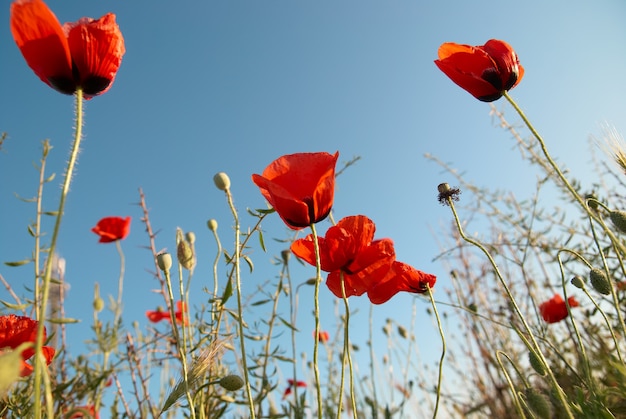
323,336
111,229
85,54
485,71
292,384
554,310
300,187
401,277
157,315
15,330
349,251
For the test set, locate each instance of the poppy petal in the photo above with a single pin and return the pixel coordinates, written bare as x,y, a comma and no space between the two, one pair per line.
97,48
40,37
401,277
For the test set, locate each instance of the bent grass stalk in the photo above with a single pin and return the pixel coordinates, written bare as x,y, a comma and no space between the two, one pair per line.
558,390
45,290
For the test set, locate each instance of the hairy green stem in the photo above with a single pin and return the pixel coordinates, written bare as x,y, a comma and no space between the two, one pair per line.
316,302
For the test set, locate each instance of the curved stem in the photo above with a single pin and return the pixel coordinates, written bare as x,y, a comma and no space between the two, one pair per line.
443,349
45,289
559,391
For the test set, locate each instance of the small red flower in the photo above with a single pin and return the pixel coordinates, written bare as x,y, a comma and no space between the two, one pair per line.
554,310
111,229
485,71
323,336
366,265
85,54
292,384
15,330
181,314
90,409
300,187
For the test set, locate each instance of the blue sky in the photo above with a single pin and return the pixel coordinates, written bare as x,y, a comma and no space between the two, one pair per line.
229,86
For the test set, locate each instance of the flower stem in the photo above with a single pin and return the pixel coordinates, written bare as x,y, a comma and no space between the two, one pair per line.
237,268
443,349
45,289
318,280
555,384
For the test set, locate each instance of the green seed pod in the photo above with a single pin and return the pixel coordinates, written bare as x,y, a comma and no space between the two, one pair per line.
98,304
538,403
222,181
164,260
212,224
599,281
578,282
231,382
536,363
619,220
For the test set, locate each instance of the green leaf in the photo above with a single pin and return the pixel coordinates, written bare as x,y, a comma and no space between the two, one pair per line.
17,307
249,262
64,320
228,291
289,325
262,241
50,178
53,213
259,303
18,263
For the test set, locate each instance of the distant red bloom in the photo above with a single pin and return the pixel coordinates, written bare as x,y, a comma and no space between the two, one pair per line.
367,265
291,384
85,54
181,314
485,71
111,229
300,187
323,337
554,310
89,408
15,330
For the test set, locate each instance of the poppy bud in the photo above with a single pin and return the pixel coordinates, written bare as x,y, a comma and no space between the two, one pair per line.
164,260
222,181
619,220
212,224
98,304
191,237
599,281
285,254
536,363
185,254
578,282
538,403
231,382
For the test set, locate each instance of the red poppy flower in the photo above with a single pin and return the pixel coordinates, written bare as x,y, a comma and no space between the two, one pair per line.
90,409
157,315
349,250
85,54
485,71
554,310
111,229
300,187
291,384
323,336
15,330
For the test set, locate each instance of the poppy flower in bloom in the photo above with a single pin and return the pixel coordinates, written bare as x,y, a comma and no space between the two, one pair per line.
485,71
15,330
85,54
323,336
156,316
554,310
111,229
292,384
349,250
300,187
